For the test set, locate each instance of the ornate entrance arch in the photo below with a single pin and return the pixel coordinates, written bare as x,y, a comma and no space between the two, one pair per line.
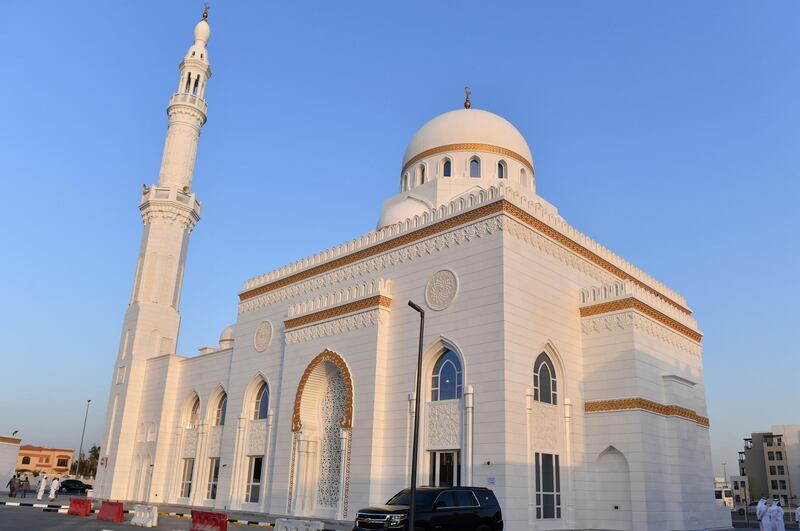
321,424
331,356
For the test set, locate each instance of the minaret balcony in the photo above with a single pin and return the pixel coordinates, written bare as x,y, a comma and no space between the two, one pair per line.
189,99
169,193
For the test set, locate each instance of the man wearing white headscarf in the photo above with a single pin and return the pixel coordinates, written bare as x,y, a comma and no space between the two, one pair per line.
762,515
776,516
797,514
42,487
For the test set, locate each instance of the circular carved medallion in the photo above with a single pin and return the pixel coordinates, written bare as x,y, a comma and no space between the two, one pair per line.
441,289
263,336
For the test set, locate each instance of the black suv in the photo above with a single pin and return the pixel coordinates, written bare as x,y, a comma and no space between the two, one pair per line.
74,485
438,509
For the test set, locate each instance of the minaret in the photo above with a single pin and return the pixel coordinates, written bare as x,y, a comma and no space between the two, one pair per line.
170,211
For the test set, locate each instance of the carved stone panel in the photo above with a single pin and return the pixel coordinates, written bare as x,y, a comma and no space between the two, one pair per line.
257,437
546,426
190,442
443,425
263,336
441,289
214,441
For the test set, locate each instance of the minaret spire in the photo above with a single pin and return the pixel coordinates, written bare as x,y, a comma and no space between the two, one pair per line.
170,212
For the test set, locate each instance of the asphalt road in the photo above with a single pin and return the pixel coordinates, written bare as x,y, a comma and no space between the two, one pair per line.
34,519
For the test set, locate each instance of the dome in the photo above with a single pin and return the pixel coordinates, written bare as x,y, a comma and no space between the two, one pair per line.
226,338
202,31
407,208
468,126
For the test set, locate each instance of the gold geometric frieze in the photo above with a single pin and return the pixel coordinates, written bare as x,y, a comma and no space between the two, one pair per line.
433,229
332,357
631,303
623,404
329,313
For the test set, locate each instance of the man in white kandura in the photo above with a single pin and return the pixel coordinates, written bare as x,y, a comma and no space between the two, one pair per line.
42,488
797,514
776,516
54,488
762,515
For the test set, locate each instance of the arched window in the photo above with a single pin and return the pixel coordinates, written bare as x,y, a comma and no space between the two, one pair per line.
219,414
523,177
475,167
446,383
26,460
194,415
447,168
544,380
406,182
421,174
261,406
501,170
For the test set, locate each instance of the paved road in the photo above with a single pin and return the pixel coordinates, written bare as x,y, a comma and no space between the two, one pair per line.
29,518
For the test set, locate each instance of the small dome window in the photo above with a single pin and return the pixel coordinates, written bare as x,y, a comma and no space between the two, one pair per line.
501,170
523,177
475,167
447,168
421,174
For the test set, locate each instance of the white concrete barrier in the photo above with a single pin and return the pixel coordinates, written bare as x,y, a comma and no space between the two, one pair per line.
90,494
145,515
285,524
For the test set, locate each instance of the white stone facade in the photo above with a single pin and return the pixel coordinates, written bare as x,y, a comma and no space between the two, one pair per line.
316,375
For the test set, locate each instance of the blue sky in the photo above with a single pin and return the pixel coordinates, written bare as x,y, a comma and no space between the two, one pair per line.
666,131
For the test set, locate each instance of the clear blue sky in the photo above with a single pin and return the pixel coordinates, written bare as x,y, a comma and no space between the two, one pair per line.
666,131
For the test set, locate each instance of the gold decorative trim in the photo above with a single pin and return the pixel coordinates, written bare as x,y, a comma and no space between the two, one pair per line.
623,404
326,355
329,313
634,304
450,223
469,147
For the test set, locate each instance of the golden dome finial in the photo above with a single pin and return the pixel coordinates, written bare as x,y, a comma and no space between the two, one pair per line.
205,10
468,93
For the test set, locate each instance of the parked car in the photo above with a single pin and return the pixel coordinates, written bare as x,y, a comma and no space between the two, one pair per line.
74,485
438,509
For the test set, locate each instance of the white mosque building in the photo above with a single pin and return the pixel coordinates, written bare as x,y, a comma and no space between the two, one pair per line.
554,371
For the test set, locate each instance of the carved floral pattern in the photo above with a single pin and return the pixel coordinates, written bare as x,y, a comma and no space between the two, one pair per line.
257,437
330,460
334,327
326,355
190,442
441,289
263,336
443,425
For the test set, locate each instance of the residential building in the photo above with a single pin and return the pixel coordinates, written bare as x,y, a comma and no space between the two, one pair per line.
50,461
771,463
740,489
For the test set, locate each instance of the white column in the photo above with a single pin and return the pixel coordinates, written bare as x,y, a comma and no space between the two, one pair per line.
567,462
200,470
343,437
529,454
469,404
238,464
266,474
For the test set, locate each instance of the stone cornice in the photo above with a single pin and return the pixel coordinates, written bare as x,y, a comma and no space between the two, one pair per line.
407,233
335,327
612,322
376,301
624,404
631,303
169,212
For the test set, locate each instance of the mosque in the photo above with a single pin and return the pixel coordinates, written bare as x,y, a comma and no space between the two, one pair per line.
555,372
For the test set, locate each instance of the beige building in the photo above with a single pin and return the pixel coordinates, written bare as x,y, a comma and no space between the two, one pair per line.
771,463
50,461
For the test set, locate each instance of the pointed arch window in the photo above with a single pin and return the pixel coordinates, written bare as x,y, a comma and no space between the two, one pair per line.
219,413
501,170
261,406
406,182
421,174
545,388
447,379
447,168
523,177
475,167
194,415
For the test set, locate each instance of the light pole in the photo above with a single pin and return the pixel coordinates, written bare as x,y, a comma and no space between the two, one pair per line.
725,473
80,450
412,512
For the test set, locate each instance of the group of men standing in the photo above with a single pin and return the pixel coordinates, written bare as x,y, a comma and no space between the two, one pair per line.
23,485
770,517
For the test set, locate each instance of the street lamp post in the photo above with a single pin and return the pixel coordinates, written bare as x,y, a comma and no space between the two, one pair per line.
412,512
80,449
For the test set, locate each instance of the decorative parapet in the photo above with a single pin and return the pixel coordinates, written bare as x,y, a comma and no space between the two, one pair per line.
624,404
378,286
630,303
496,199
598,297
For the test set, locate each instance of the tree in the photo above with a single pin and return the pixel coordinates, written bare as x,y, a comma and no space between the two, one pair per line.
90,465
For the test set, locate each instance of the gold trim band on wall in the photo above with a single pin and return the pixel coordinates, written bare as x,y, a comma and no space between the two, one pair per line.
624,404
450,223
469,147
635,304
370,302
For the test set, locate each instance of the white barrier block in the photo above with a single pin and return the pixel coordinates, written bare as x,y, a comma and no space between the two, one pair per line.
145,516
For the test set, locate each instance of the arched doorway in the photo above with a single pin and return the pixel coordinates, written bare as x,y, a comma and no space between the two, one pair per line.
613,488
321,423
